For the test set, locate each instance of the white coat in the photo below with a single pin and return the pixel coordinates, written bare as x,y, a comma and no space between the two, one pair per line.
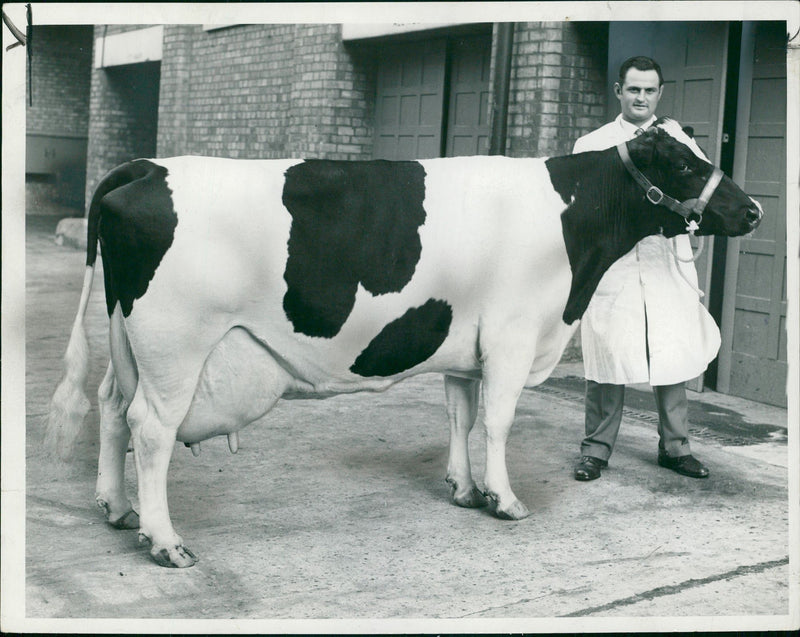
643,302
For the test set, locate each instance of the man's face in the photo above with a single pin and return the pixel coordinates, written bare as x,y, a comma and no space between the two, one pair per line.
639,95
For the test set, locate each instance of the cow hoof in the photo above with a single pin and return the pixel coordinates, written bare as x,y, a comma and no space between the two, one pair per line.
128,521
515,511
174,557
470,499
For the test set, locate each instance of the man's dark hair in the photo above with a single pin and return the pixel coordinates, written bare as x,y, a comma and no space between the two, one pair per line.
641,63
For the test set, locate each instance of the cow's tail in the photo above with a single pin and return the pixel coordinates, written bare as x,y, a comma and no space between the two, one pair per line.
69,404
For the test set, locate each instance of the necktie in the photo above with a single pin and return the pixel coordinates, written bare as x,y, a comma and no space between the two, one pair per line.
638,132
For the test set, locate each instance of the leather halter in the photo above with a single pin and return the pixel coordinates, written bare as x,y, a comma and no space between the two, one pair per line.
657,197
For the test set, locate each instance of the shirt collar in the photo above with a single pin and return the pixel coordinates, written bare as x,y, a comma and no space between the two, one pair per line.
631,129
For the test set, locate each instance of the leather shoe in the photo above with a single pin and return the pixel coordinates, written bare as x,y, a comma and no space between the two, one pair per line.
589,468
685,465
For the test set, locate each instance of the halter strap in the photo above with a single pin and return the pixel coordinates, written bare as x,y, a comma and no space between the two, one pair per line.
657,197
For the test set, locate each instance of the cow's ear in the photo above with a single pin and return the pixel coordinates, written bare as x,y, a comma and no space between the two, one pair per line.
689,130
645,145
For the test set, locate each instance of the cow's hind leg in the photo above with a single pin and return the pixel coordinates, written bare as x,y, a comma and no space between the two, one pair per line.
114,437
461,395
153,441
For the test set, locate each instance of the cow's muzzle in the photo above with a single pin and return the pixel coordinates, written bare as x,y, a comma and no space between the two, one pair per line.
753,215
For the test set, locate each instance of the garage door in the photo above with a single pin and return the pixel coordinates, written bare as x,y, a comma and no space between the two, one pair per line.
433,98
468,112
410,93
753,356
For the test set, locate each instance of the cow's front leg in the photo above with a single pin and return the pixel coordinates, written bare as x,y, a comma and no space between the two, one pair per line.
114,437
461,395
153,442
502,384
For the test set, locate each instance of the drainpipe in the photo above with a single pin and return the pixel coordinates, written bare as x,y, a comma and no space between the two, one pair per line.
502,80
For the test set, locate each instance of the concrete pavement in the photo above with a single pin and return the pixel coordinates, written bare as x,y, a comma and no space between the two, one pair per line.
339,509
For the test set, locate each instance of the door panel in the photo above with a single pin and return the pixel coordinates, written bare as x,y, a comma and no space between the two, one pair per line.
410,95
412,87
468,113
753,360
692,59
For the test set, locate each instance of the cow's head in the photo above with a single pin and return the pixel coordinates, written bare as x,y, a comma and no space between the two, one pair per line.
608,210
681,186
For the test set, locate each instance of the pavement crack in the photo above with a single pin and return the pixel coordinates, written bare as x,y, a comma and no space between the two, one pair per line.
526,600
673,589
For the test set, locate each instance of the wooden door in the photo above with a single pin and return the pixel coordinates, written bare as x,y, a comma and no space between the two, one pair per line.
468,112
753,361
410,98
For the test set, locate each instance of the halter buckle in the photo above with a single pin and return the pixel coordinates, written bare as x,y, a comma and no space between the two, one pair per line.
656,198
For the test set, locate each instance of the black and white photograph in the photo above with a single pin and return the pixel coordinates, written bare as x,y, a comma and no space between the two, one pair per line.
382,318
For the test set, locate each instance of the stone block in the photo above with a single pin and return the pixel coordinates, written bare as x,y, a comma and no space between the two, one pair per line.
71,232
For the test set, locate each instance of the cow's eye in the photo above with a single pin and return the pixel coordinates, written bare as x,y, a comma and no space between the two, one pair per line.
683,168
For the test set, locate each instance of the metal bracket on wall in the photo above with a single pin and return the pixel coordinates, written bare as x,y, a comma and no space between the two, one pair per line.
21,37
24,39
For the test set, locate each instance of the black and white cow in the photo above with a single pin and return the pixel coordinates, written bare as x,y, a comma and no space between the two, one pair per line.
231,284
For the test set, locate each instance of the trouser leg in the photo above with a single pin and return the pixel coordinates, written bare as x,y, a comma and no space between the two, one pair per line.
673,421
603,416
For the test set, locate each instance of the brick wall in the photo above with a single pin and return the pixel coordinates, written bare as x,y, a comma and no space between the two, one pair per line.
175,91
57,117
123,112
332,96
558,86
263,91
245,91
225,92
123,120
61,63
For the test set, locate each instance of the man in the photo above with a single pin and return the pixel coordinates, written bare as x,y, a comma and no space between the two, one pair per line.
645,322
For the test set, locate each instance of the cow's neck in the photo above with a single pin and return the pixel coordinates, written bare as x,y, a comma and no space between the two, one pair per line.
604,219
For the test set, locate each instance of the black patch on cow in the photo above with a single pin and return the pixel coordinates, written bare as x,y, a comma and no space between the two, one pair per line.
407,341
133,217
604,218
352,222
607,212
